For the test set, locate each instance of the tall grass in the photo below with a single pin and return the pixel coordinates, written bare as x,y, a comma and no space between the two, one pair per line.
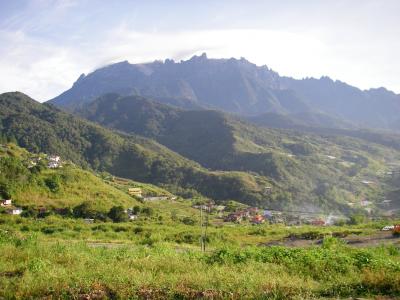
33,267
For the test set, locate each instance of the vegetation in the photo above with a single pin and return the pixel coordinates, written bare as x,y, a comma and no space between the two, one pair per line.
43,128
65,258
320,172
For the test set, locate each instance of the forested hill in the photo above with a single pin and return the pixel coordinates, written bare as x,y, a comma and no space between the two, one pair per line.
312,169
44,128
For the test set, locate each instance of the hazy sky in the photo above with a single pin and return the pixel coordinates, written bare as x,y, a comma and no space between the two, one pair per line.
46,44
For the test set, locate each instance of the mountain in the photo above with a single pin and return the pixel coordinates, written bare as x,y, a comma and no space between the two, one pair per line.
44,128
312,169
374,108
240,87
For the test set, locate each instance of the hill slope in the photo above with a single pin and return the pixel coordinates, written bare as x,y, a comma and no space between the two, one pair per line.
240,87
43,128
313,170
34,186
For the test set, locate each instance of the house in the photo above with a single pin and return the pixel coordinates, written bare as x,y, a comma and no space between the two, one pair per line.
252,211
54,162
388,228
267,214
234,217
367,182
89,221
15,211
258,219
318,222
132,217
6,202
135,192
364,202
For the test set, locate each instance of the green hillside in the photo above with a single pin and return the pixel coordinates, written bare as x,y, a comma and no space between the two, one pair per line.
311,169
44,128
39,186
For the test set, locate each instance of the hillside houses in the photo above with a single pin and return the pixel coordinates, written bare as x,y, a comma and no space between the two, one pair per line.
5,202
11,210
137,192
54,162
257,219
15,211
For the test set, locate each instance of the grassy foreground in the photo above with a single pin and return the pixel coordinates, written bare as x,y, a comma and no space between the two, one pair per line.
37,263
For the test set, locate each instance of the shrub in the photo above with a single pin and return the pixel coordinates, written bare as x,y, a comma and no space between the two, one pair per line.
53,183
120,229
84,210
117,214
188,221
137,230
356,219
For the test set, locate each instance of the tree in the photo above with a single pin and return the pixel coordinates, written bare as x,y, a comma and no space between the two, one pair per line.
136,210
84,210
356,219
117,214
53,183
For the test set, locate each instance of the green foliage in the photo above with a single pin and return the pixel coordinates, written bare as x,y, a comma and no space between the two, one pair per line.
309,168
53,183
356,219
117,214
85,210
188,221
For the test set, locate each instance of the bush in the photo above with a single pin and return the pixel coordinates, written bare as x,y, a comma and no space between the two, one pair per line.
356,219
84,210
117,214
53,183
188,221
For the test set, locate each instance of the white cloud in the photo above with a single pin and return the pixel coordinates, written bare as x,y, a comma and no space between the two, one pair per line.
43,69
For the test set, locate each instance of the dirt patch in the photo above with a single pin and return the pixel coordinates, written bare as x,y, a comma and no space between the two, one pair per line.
10,274
356,240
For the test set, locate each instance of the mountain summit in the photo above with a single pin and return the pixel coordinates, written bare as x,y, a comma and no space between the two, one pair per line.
236,86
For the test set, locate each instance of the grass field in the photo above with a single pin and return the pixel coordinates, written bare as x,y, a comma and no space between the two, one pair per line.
66,258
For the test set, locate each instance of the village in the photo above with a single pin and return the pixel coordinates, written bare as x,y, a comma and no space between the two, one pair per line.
240,215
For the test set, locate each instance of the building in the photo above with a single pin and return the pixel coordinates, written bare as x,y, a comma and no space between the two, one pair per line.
318,222
135,192
6,202
54,161
234,217
258,219
15,211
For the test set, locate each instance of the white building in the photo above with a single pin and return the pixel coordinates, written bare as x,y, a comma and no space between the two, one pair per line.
6,202
54,161
15,211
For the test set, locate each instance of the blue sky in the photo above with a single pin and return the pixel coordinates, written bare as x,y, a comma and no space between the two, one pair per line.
47,44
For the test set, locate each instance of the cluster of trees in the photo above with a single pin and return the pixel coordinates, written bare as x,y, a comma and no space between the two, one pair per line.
87,210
